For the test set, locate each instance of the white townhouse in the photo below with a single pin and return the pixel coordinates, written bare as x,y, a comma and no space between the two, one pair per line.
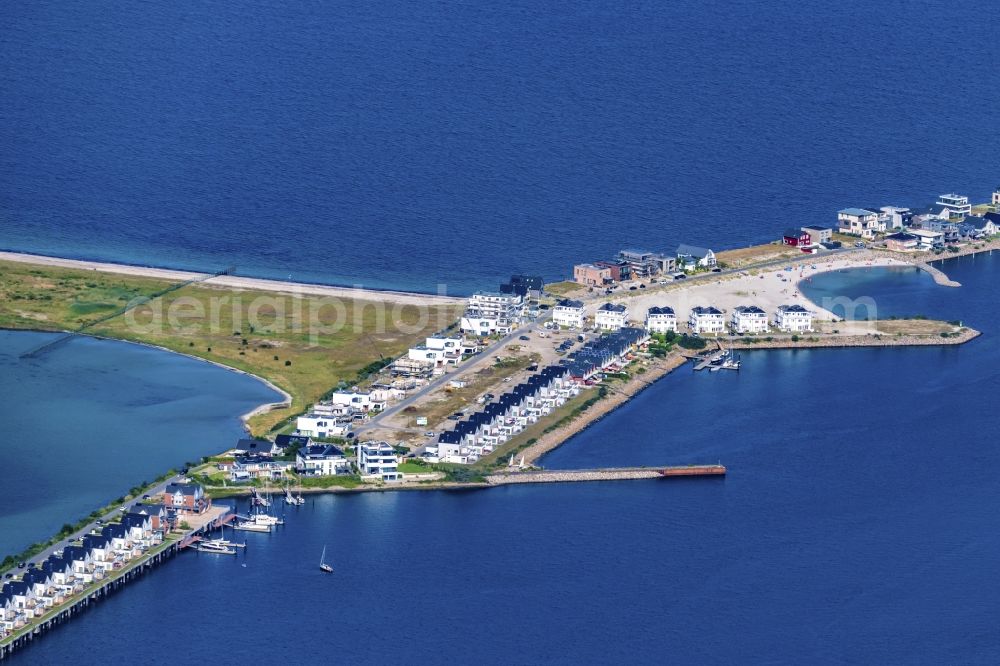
378,460
749,319
706,320
490,313
793,319
568,313
661,320
611,316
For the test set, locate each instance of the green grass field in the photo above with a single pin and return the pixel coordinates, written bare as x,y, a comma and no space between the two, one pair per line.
266,334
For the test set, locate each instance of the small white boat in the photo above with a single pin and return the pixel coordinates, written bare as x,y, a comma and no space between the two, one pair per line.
209,547
251,526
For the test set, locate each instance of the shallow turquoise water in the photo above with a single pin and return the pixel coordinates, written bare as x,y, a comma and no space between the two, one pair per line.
88,420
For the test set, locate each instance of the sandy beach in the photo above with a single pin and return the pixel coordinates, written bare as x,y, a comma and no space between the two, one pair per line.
237,282
765,288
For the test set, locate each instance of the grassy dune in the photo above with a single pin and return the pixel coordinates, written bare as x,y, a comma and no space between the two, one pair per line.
305,345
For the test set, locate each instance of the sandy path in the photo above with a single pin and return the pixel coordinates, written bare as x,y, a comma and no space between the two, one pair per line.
236,282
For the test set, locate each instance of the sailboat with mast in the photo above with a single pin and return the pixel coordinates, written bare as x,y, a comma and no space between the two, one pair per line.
326,568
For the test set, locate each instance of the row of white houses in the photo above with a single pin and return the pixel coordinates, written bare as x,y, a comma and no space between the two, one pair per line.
65,574
701,319
511,413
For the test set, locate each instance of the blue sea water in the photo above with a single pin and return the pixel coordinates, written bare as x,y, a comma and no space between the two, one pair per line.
857,524
407,144
91,418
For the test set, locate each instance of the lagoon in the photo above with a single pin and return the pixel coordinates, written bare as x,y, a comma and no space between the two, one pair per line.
89,419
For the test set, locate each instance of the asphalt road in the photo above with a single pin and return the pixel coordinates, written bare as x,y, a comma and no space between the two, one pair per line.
479,361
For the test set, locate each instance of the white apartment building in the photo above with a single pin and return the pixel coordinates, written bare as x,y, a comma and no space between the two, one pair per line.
793,319
491,313
749,319
378,460
611,316
661,320
706,320
568,313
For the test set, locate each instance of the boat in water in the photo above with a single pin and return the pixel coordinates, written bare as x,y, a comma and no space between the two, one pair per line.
251,526
212,547
322,562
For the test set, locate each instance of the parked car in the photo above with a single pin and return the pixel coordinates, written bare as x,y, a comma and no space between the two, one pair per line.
523,337
21,565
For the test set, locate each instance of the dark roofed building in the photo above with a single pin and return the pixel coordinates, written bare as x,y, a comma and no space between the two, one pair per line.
260,447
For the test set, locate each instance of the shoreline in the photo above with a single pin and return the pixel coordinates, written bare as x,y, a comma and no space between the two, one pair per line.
236,282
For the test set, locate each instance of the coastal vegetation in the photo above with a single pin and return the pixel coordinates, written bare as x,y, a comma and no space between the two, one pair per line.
258,332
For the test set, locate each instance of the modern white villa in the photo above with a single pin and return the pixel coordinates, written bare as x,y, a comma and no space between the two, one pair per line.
378,460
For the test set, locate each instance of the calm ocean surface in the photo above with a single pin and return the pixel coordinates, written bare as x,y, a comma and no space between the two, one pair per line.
89,419
858,524
404,143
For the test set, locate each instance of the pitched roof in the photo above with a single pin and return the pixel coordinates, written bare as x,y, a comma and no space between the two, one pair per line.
253,445
749,309
661,310
612,307
699,310
567,303
692,251
284,441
